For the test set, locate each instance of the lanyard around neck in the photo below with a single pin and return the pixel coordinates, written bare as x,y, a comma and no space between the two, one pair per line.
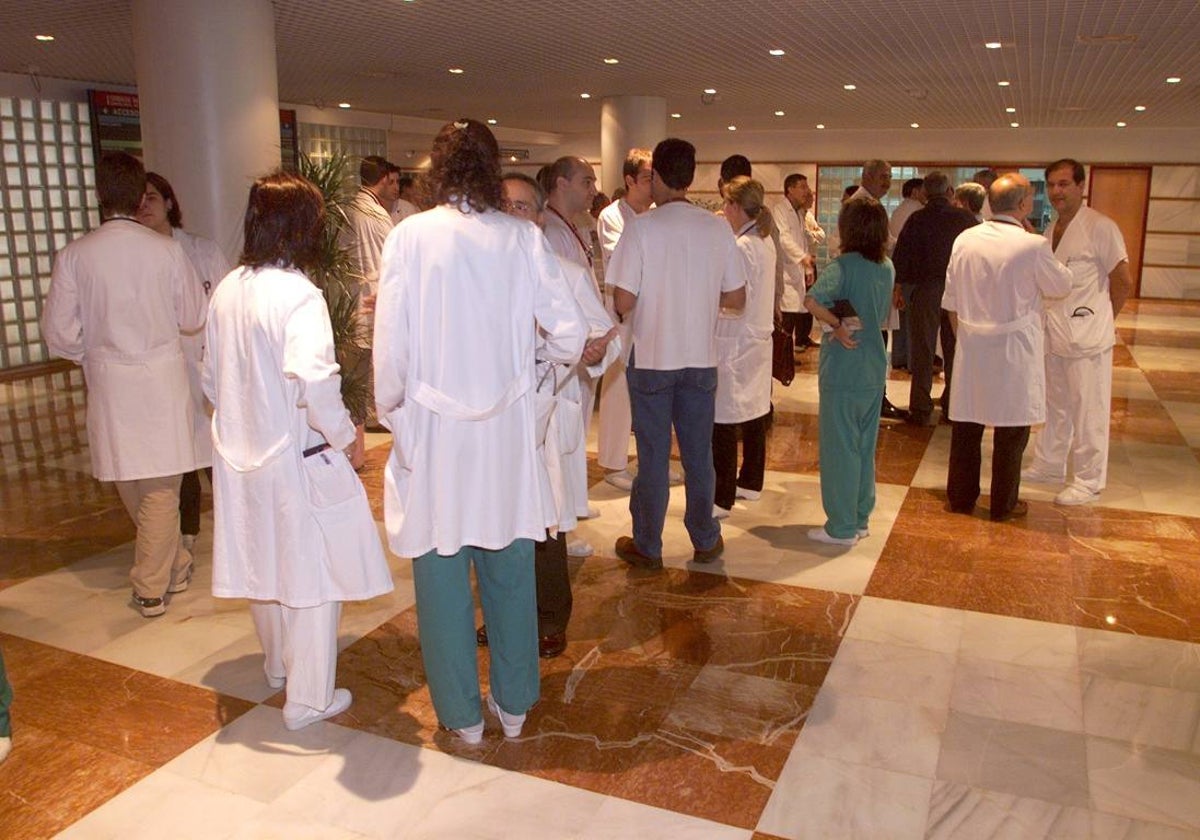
587,251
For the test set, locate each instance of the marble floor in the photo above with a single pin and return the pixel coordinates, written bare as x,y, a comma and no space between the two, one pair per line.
947,677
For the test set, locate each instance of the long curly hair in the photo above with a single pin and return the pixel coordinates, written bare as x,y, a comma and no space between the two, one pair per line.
465,166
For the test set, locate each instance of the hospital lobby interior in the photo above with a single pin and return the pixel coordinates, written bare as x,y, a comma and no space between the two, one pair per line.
946,677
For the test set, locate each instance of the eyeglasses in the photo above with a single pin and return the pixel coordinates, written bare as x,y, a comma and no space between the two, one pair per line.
519,206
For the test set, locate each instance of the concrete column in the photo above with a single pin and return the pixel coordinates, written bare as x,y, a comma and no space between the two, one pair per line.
628,122
209,97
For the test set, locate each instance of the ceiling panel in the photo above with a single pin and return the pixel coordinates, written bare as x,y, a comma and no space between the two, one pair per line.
1071,63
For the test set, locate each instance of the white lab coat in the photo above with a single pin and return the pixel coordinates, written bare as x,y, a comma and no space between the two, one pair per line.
367,227
566,440
1082,324
996,281
118,299
287,528
402,209
744,338
793,243
210,265
461,297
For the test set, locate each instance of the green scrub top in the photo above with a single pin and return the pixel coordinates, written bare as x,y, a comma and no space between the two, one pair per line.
868,287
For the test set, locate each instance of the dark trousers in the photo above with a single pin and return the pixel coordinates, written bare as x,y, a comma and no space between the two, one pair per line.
754,458
949,343
189,501
962,483
554,599
924,321
799,325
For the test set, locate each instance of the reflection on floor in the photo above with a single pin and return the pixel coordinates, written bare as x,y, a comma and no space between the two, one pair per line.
946,677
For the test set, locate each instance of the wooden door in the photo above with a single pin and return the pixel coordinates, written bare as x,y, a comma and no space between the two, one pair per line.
1123,194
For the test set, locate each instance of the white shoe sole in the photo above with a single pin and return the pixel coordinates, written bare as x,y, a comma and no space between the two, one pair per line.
341,702
470,734
579,548
1069,498
823,536
621,480
748,495
720,512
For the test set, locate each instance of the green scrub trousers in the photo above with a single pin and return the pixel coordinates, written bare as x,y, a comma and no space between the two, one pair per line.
849,431
446,623
6,695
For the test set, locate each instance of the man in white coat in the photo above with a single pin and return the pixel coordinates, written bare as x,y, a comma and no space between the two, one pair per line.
564,451
616,420
571,187
1080,333
118,299
404,206
798,235
996,282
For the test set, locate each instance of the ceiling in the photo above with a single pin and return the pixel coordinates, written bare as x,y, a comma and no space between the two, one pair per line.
1071,63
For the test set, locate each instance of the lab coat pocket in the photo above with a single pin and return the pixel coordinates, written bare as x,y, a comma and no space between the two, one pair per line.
569,418
329,479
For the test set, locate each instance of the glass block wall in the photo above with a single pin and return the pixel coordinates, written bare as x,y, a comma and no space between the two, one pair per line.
47,198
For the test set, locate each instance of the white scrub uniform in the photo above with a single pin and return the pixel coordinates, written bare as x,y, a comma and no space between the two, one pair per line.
1080,333
616,417
744,337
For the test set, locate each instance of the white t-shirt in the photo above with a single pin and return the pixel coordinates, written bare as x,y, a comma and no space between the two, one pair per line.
677,258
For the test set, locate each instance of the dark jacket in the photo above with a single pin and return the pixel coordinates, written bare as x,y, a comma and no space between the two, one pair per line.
923,249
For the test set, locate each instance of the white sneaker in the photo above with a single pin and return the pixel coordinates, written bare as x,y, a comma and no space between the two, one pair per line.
621,479
274,682
580,548
720,512
297,716
592,512
862,532
821,535
5,746
188,541
674,476
470,734
511,724
1035,476
748,495
1075,496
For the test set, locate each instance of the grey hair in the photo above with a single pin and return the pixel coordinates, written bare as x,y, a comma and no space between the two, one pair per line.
538,192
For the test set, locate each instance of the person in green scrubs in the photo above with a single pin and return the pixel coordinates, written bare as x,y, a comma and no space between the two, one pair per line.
852,368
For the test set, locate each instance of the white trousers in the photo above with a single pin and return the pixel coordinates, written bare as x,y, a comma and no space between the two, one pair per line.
616,418
301,645
1078,411
153,505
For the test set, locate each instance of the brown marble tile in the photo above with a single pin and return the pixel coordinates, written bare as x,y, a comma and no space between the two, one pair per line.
371,475
1146,337
1145,421
1174,385
51,780
795,442
138,716
1122,358
1181,308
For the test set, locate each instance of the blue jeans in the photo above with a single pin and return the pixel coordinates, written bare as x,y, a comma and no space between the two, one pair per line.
660,399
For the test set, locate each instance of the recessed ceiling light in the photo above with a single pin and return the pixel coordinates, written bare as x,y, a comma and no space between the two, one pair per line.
1139,107
1015,124
676,116
849,87
1173,80
710,91
777,52
820,125
457,71
732,127
585,96
611,61
44,37
492,121
1004,83
779,113
1121,124
513,158
914,125
1010,110
343,104
993,45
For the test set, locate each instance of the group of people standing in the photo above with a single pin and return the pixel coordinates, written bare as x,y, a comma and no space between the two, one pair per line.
489,340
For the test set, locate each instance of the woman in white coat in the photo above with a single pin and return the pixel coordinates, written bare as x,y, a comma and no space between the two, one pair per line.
464,291
744,353
161,213
292,528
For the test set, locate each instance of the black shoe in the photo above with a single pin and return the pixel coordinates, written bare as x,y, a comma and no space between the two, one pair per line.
552,645
921,419
890,412
481,636
1019,510
628,551
708,555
